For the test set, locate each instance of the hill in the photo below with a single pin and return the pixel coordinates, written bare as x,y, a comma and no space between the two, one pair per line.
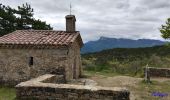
107,43
127,60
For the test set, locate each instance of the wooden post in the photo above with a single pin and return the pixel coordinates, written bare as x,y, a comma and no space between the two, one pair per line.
147,74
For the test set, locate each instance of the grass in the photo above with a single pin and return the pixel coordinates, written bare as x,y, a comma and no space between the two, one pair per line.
155,86
107,73
7,93
104,73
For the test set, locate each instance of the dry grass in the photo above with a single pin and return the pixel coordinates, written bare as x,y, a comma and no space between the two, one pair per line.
138,88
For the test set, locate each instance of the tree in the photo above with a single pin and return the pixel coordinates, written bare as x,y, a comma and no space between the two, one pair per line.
25,13
165,30
26,20
19,19
7,20
37,24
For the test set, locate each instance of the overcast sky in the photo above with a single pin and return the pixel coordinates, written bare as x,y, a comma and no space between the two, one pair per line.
133,19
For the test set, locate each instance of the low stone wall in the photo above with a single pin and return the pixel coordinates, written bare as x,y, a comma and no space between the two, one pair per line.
158,72
59,79
11,83
35,89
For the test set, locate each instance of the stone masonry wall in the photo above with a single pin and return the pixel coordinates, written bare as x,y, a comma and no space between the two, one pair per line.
75,60
35,89
159,72
14,64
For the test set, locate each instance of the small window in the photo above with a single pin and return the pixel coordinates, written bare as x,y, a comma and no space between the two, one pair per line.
31,61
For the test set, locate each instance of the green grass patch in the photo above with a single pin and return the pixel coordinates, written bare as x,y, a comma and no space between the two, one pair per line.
7,93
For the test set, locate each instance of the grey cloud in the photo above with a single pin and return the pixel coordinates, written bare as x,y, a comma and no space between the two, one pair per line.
156,4
132,19
139,10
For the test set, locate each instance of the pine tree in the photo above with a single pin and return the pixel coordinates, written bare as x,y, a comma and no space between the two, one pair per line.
165,30
25,13
26,20
19,19
7,20
37,24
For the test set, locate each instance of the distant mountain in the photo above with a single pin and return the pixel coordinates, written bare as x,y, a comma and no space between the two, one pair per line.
109,43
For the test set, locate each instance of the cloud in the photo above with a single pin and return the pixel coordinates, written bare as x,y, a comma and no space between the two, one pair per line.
156,4
132,19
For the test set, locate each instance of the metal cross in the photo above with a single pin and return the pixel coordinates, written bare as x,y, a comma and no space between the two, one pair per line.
70,8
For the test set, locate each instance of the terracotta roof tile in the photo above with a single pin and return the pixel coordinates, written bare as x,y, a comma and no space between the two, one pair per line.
39,38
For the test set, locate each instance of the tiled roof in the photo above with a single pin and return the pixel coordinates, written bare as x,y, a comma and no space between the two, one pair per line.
39,39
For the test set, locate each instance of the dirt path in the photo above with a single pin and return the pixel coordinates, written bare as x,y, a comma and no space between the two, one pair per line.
116,81
130,83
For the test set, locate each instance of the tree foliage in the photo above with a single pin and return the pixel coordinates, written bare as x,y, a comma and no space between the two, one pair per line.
165,30
129,61
19,19
7,20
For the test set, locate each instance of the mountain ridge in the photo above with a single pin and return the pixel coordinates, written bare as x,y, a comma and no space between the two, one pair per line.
104,43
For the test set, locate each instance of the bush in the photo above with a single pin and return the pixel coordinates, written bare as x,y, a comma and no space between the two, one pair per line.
127,61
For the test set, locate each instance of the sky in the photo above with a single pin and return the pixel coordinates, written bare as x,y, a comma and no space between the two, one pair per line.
132,19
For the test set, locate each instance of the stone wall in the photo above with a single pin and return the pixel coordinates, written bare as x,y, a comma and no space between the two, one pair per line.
159,72
59,79
75,61
35,89
14,63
